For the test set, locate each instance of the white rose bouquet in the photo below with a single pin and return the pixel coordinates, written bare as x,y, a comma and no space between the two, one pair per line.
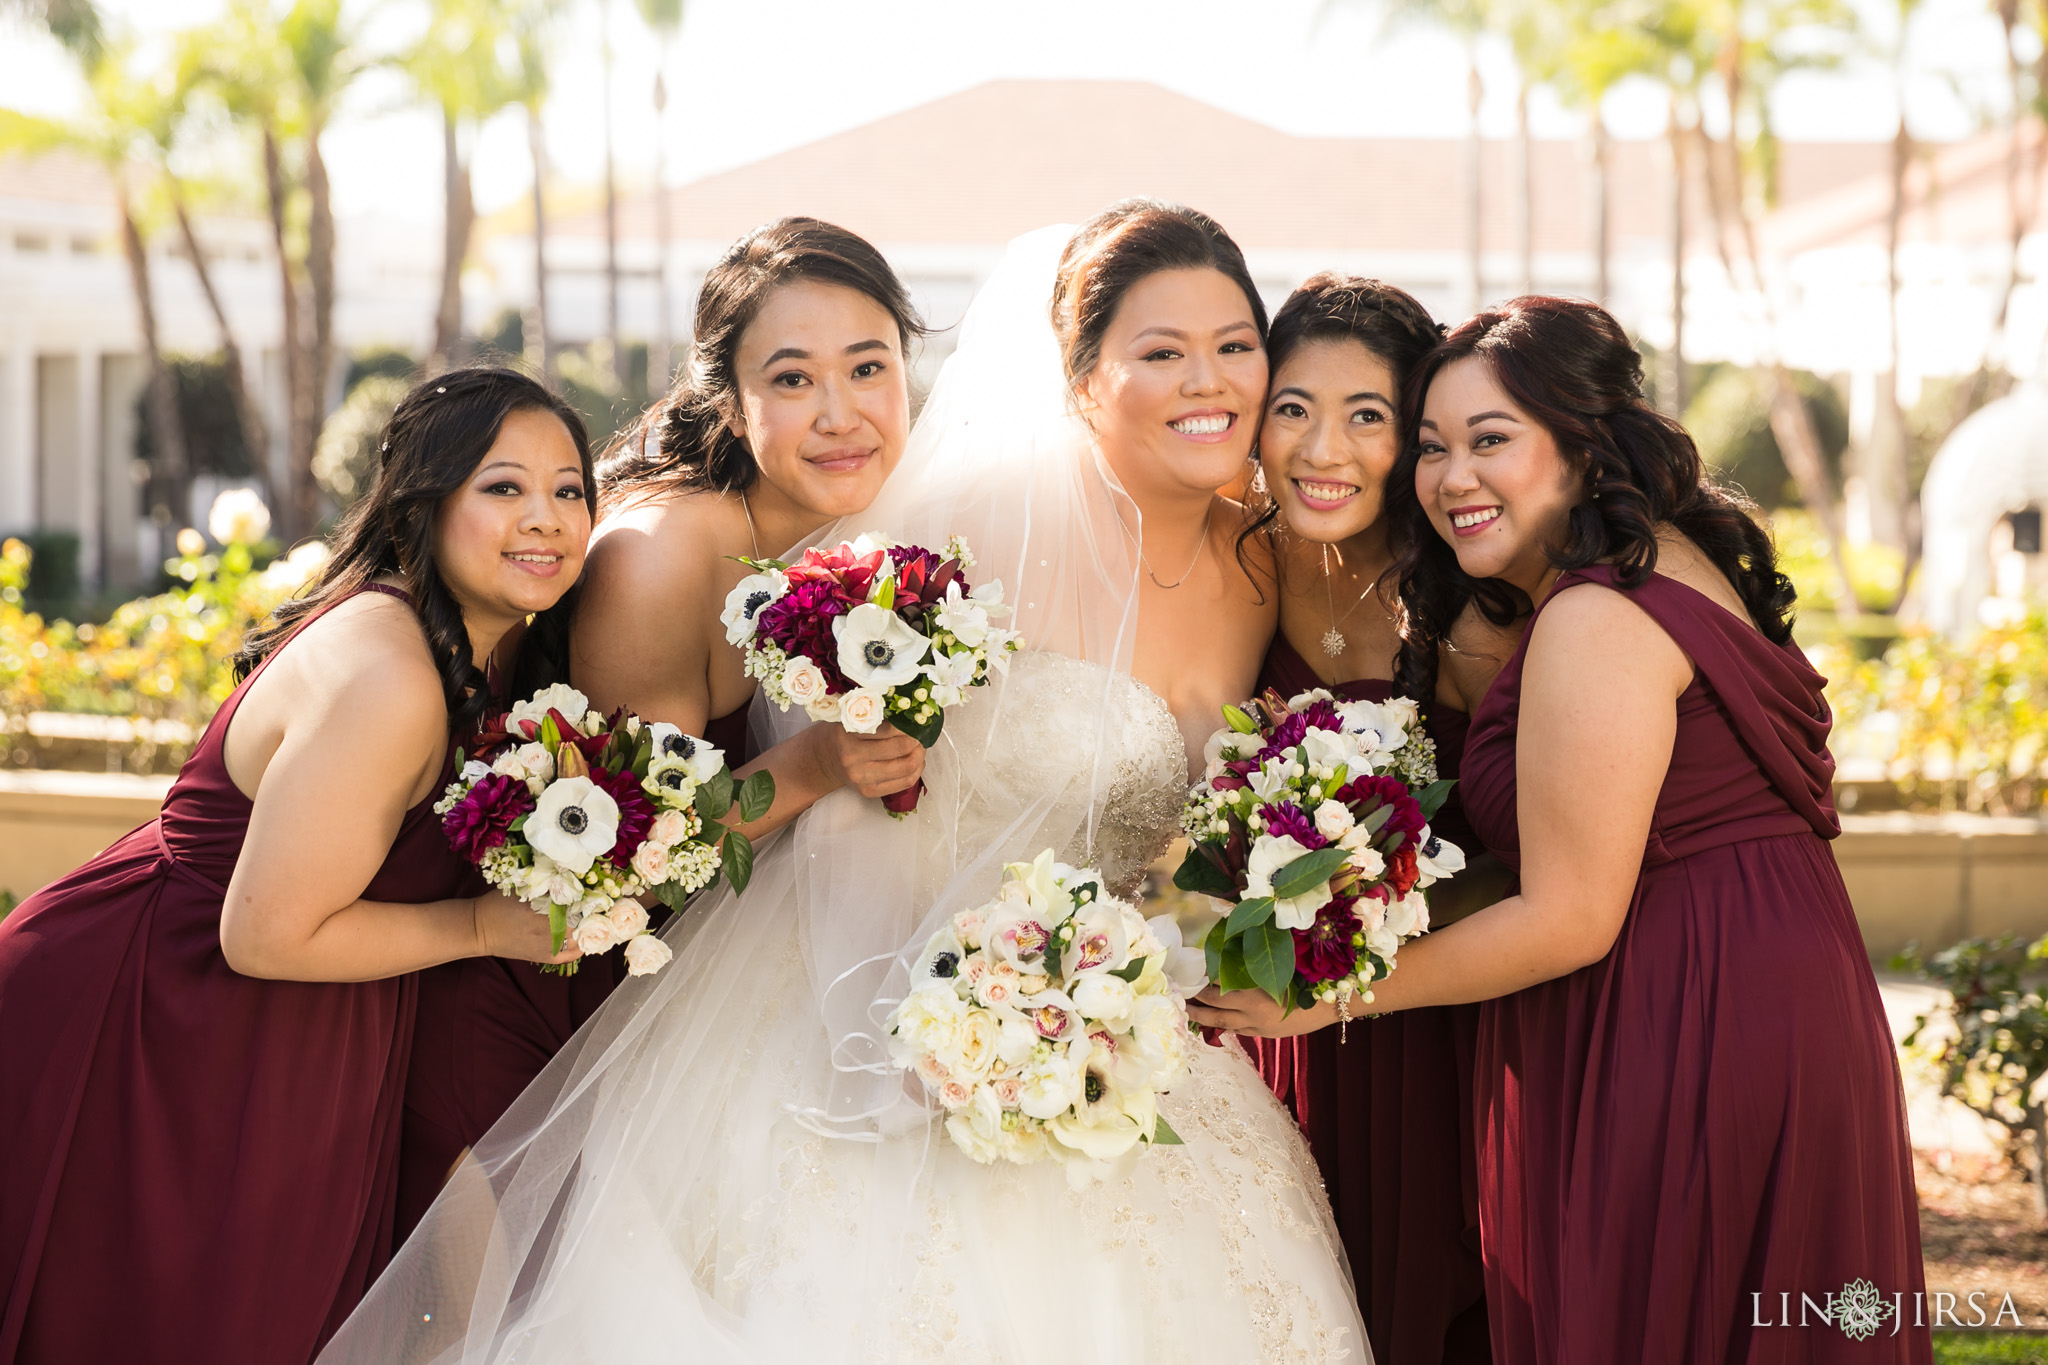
1313,820
577,813
868,632
1047,1021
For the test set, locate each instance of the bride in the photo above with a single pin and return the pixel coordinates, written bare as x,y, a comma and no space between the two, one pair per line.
723,1166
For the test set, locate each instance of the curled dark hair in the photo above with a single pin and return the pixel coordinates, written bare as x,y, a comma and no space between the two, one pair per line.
1387,321
439,433
687,440
1569,366
1122,245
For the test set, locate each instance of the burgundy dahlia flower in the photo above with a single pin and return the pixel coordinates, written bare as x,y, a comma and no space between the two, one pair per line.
636,813
1323,951
1369,791
480,821
1294,822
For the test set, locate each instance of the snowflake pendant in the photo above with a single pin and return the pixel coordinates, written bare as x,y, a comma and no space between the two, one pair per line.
1333,642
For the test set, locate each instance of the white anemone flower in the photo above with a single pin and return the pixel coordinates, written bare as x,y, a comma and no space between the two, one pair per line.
1437,859
574,822
745,601
877,648
674,749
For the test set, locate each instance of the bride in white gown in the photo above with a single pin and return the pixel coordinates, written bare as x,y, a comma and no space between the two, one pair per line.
723,1166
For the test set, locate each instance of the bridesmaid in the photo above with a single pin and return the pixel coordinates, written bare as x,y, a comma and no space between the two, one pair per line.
1688,1099
1388,1111
793,408
206,1026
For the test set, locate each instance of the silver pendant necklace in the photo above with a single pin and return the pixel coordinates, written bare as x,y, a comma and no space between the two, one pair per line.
1333,641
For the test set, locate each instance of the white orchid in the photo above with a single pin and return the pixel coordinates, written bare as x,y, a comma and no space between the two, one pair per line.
574,822
745,601
877,648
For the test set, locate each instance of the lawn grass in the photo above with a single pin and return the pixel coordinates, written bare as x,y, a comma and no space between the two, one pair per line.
1989,1348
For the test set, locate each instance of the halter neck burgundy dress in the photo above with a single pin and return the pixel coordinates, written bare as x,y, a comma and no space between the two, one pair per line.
487,1027
1710,1116
202,1165
1389,1117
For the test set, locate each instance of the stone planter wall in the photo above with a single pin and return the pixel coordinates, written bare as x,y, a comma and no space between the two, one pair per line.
50,822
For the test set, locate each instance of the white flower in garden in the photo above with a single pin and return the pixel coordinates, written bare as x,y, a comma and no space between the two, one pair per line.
745,601
574,822
877,648
291,572
1437,859
557,697
1333,820
951,675
238,517
674,749
646,954
863,710
804,681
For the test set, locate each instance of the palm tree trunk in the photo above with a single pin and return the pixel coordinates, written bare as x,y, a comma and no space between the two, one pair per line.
320,270
1475,93
539,344
458,214
1525,224
298,357
1885,464
1676,360
1603,239
166,426
611,204
255,431
660,346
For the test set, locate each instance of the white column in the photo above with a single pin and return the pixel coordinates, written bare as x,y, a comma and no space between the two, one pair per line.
18,439
91,455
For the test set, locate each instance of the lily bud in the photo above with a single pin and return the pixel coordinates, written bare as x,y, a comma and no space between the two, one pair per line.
569,762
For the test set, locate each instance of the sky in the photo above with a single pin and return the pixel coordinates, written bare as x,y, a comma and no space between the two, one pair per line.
749,78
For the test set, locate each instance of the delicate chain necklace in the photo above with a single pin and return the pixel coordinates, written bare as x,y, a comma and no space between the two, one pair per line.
1201,546
753,538
1333,638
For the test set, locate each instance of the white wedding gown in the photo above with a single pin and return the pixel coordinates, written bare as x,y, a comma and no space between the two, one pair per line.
723,1168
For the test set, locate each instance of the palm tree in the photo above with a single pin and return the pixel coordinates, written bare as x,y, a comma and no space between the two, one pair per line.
609,368
456,64
665,17
74,23
531,25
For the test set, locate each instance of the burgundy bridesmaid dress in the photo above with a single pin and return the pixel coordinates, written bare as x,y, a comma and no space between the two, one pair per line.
1389,1117
1710,1116
202,1166
487,1027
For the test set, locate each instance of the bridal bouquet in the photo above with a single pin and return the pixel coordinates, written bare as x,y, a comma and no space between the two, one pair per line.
1312,819
576,813
868,632
1047,1020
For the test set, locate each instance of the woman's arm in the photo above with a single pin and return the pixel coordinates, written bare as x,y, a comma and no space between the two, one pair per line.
364,731
1598,715
635,579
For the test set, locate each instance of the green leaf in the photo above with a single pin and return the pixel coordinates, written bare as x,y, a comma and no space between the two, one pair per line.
1246,914
757,794
738,855
1269,959
1212,953
1309,871
924,732
1131,970
558,925
1163,1134
1371,824
1198,873
1231,973
714,798
1432,797
672,895
643,753
519,824
1239,721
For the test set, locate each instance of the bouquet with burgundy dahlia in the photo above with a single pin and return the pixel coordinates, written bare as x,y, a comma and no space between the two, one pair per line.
1312,819
577,814
870,631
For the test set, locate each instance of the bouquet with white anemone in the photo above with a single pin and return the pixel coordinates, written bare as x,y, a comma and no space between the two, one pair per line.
1047,1021
870,631
578,813
1312,819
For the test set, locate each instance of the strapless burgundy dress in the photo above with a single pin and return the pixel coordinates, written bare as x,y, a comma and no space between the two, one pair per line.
487,1027
1389,1117
1710,1116
202,1166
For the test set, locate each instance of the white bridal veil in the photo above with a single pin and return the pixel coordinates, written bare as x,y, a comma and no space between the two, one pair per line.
772,1009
